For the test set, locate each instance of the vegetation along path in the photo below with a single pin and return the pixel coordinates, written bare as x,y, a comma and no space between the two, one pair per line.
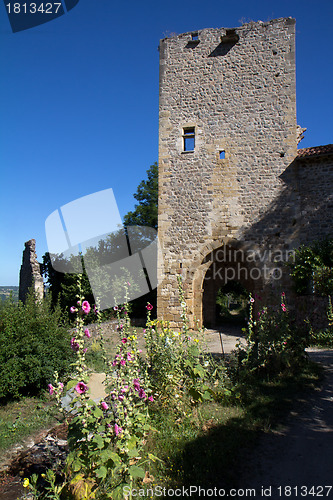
297,460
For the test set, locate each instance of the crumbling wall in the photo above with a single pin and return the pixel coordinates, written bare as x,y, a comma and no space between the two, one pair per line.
30,273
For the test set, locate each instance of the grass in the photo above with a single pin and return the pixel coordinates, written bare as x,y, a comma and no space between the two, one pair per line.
20,419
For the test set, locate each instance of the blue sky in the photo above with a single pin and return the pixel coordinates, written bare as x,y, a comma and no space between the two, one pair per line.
79,101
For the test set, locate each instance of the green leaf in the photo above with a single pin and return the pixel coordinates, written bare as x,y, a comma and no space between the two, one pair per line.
118,492
110,455
154,458
76,465
133,453
131,443
206,396
101,472
97,412
71,384
136,471
99,441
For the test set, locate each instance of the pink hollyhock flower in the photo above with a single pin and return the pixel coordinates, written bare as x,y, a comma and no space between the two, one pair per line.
114,363
124,340
129,356
81,388
149,307
284,309
151,398
74,345
61,386
51,389
73,309
122,362
117,429
139,350
115,308
85,350
252,300
87,333
283,294
86,307
142,393
136,384
121,397
104,405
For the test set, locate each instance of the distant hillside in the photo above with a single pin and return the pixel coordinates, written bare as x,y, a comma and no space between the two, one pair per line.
6,290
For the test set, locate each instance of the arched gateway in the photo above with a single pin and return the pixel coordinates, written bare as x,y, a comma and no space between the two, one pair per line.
227,176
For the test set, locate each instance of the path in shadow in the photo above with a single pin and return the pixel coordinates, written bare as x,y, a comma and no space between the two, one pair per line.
301,454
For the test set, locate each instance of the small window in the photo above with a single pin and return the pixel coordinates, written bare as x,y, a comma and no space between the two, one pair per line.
222,154
188,139
195,37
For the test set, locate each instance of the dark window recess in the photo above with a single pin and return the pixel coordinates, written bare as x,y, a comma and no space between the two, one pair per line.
230,36
188,139
222,154
194,41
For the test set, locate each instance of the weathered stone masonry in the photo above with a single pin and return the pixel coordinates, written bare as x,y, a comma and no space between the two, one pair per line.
238,187
30,273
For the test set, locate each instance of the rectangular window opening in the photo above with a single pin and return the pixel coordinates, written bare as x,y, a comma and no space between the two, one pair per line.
188,139
195,37
222,154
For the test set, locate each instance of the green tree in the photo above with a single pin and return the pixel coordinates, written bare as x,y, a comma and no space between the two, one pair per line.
63,285
145,212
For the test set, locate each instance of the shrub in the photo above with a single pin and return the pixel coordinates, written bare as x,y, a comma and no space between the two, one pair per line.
324,338
33,345
312,268
274,344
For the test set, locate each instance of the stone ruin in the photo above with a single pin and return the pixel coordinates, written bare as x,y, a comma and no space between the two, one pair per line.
30,273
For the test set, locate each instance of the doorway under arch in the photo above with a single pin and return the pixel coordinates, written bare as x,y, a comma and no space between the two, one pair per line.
230,273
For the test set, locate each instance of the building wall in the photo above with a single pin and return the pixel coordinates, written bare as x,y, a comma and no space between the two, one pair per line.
240,97
315,184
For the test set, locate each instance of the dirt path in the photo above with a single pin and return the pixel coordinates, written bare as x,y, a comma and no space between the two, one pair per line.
300,455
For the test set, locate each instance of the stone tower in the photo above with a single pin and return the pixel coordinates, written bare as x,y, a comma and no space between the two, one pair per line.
30,274
227,135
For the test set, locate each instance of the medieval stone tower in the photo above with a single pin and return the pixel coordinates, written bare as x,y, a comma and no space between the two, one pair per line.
227,139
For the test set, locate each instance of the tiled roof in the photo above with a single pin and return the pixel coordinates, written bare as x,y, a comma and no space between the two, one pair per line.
316,151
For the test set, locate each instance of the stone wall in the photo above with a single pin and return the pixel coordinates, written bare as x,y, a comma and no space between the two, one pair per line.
315,184
236,89
30,273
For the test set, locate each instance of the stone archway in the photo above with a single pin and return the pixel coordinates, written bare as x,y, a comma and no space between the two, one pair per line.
226,263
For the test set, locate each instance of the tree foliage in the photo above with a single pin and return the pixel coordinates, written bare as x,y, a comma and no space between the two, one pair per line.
145,212
63,286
